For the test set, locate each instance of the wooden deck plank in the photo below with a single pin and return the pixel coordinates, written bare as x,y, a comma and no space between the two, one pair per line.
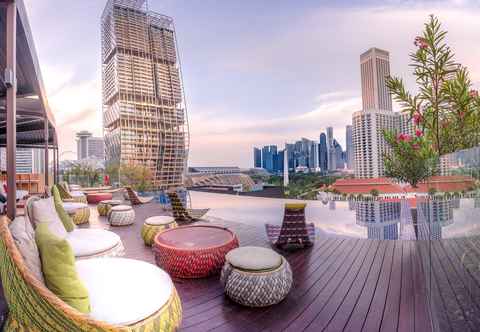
359,313
392,305
375,312
422,311
406,317
343,314
322,318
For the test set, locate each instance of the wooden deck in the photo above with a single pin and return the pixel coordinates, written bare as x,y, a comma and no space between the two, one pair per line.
339,285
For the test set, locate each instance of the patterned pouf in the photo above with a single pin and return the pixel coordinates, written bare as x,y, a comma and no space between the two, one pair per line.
256,277
121,215
95,198
104,206
153,225
80,212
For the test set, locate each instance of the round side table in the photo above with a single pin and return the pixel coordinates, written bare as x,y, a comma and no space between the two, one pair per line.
155,224
193,251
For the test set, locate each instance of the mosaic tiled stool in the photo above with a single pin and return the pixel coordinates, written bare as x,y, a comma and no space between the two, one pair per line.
155,224
80,212
256,277
104,206
121,215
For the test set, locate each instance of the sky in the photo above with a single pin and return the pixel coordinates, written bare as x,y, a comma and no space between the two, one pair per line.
255,72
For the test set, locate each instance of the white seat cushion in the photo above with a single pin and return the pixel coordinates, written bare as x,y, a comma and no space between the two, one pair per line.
124,291
44,211
77,194
72,207
89,241
254,258
159,220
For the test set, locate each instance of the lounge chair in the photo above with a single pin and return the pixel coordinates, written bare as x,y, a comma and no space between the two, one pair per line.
294,232
180,213
70,196
151,304
85,242
135,199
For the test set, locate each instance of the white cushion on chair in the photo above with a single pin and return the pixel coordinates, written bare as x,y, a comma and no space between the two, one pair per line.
254,258
77,194
124,291
72,207
44,211
89,241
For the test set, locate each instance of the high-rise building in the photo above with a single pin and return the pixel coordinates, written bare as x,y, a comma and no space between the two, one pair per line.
375,68
313,162
144,114
331,159
323,153
368,125
89,146
257,158
350,158
338,155
27,160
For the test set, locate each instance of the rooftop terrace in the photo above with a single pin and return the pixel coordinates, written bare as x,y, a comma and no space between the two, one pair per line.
339,284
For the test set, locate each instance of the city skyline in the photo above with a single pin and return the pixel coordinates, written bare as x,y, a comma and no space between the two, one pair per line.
274,112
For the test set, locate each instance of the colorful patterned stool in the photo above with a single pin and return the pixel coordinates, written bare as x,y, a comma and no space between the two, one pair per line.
256,277
193,251
121,215
80,212
153,225
104,206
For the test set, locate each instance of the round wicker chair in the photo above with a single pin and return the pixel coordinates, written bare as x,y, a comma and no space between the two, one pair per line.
33,307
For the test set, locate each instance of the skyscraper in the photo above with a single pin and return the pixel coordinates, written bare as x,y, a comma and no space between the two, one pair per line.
368,125
89,146
350,148
257,158
332,166
323,153
375,68
144,114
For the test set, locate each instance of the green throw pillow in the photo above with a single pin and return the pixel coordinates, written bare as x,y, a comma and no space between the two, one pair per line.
58,267
64,217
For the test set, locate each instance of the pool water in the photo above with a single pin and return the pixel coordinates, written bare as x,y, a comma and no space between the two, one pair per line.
380,220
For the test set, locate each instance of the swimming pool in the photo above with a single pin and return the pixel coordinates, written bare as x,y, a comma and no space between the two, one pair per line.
366,220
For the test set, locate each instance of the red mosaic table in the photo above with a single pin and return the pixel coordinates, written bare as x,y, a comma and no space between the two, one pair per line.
193,251
95,198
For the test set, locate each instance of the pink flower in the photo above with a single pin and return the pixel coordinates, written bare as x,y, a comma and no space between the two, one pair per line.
420,42
415,146
417,118
461,115
404,138
418,133
473,93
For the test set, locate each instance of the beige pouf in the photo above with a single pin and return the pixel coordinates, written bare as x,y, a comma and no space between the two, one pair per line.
155,224
256,276
121,215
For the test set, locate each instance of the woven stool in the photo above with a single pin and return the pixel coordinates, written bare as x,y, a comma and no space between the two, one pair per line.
121,215
153,225
256,277
104,206
80,212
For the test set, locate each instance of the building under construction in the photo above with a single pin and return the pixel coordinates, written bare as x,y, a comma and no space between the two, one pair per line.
144,113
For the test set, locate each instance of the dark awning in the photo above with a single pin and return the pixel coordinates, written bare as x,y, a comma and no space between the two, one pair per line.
32,104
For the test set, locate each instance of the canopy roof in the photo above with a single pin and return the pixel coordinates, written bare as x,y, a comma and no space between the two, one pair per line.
32,104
